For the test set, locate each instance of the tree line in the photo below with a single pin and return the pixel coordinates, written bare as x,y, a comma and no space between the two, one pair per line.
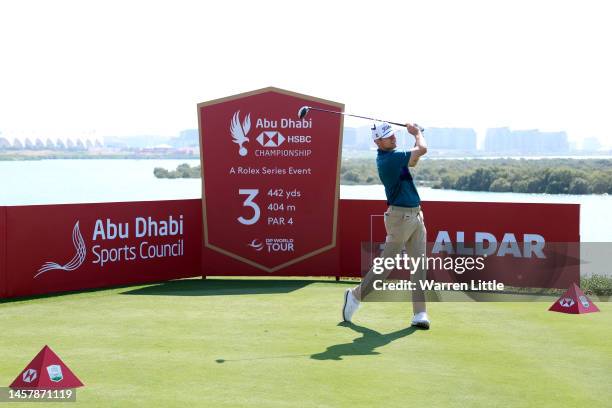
182,171
550,176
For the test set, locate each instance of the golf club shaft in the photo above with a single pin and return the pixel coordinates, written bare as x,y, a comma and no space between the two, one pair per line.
363,117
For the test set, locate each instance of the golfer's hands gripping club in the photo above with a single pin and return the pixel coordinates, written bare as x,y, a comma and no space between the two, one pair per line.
413,129
420,145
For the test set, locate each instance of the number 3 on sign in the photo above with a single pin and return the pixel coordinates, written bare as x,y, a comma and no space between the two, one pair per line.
251,193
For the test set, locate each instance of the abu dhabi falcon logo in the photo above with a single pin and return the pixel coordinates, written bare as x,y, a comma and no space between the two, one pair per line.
76,261
239,131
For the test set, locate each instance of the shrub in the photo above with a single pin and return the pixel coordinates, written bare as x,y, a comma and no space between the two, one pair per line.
500,185
597,285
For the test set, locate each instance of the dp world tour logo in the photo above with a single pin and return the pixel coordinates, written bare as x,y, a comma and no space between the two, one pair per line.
75,262
240,130
567,302
256,245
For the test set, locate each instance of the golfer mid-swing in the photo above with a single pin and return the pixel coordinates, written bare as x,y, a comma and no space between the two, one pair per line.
403,219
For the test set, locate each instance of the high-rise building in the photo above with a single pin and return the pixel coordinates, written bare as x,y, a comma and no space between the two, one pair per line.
186,138
463,139
525,142
349,138
591,144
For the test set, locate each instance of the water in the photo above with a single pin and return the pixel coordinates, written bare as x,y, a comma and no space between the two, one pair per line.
92,181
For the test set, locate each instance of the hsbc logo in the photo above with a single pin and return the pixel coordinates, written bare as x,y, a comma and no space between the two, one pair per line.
29,375
274,138
567,302
270,138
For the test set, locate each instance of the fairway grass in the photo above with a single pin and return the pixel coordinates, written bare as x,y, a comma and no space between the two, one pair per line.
278,343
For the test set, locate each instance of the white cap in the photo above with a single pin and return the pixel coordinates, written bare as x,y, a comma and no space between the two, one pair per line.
381,131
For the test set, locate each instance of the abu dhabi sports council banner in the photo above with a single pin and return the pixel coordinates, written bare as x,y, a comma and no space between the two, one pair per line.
54,248
518,244
270,182
3,238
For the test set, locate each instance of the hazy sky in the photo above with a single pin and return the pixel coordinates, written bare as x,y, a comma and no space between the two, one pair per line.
125,67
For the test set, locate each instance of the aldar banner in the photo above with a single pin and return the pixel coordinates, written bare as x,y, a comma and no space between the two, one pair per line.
520,245
269,179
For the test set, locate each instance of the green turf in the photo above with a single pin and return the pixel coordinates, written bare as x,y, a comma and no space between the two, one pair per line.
277,343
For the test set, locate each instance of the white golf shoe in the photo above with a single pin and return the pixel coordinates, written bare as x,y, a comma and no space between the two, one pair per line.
351,304
421,320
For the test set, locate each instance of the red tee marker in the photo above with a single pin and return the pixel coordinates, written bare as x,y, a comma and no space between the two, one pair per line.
46,372
574,301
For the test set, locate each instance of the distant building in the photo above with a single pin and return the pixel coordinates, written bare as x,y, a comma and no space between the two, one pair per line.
349,138
463,139
364,138
591,144
26,143
404,140
439,139
160,148
134,142
186,138
525,142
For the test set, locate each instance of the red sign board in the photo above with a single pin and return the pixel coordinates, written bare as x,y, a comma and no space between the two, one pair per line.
56,248
270,179
524,249
3,239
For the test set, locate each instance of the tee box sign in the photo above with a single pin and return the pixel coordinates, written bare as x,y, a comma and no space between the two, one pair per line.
269,179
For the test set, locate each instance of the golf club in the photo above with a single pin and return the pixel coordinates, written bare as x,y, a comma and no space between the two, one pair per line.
303,111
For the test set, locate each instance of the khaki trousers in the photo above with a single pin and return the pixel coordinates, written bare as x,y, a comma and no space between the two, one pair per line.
405,230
